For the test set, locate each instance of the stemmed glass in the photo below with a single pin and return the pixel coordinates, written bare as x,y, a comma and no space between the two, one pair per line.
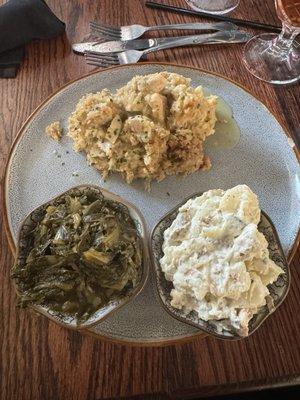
213,6
276,58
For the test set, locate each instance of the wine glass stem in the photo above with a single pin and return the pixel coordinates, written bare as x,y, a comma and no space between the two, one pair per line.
283,43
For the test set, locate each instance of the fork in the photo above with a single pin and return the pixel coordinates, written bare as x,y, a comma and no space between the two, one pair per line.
133,56
131,32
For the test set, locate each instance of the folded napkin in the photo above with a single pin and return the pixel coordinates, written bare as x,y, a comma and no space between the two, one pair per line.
20,22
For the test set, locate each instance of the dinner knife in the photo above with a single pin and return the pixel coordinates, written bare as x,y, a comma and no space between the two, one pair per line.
235,36
114,46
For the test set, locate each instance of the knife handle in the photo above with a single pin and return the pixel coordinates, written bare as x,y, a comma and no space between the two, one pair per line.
202,26
168,43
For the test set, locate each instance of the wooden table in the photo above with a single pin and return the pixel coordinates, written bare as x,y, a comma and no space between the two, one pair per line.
40,360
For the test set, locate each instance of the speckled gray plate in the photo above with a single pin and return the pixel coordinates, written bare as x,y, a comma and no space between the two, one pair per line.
39,169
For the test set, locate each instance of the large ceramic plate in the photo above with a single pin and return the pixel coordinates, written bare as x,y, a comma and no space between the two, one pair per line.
264,159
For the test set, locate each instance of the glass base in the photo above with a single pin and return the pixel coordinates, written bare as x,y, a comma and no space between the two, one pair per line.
271,63
213,7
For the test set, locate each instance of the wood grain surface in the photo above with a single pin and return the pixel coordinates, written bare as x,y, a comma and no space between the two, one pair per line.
40,360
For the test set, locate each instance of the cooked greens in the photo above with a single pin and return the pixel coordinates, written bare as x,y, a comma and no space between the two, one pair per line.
85,251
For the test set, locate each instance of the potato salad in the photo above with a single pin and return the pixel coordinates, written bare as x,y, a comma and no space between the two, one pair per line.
217,259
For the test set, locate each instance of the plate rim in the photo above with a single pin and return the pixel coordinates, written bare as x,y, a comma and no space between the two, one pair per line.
12,246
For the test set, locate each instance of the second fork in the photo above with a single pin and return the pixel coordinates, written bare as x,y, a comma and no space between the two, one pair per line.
131,32
133,56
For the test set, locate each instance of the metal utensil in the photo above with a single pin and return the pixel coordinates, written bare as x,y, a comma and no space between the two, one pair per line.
133,56
131,32
116,46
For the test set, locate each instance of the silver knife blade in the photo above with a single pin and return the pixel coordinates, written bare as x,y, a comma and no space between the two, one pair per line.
113,46
142,44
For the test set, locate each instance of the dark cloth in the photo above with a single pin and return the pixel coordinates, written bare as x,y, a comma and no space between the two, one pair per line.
20,22
10,61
